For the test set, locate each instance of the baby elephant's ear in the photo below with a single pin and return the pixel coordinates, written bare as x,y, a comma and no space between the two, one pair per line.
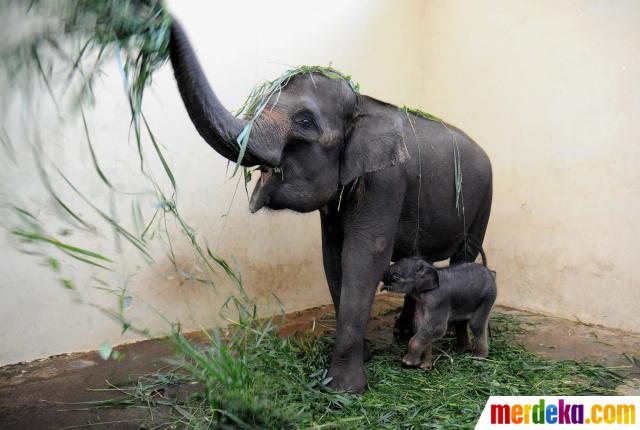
427,277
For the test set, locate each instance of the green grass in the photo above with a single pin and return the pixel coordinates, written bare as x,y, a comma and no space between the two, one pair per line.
420,113
252,378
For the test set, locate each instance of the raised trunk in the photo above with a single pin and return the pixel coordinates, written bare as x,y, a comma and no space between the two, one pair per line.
215,124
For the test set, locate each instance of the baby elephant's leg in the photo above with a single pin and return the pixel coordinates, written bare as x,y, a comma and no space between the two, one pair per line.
427,363
434,327
417,346
478,323
462,335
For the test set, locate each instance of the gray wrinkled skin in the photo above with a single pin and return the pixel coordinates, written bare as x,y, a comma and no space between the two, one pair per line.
460,294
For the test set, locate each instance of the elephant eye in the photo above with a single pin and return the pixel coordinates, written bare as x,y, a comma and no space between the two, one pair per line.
305,121
396,276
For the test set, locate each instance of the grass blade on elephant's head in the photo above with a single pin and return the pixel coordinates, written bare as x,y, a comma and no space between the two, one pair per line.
243,141
421,114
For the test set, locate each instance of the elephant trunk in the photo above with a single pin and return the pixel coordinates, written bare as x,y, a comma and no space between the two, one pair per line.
216,125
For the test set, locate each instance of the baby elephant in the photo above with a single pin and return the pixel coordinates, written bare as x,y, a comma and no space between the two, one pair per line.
462,293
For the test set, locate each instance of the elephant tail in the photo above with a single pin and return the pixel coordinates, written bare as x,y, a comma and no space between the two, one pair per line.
470,243
482,254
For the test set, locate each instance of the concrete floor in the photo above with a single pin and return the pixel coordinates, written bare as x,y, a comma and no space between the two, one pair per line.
48,394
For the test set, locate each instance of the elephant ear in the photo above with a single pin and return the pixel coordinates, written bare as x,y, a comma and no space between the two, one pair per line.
427,277
375,140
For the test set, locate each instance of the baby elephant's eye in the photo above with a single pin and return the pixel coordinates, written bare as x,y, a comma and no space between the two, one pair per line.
396,276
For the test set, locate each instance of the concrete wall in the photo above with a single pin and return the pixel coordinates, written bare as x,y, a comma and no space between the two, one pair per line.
548,88
239,44
551,90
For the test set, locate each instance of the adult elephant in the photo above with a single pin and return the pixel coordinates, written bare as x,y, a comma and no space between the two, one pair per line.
388,183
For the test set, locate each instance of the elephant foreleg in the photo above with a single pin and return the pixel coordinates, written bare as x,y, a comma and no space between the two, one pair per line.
331,258
332,255
360,280
369,235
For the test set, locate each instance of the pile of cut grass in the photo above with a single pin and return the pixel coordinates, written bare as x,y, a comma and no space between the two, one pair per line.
256,379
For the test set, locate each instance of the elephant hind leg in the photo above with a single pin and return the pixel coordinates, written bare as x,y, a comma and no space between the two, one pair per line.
479,324
462,335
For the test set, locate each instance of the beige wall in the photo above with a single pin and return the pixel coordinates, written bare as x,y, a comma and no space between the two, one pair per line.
548,88
239,43
551,89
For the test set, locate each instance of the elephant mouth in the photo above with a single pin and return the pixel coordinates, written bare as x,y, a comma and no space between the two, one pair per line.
265,174
391,288
263,190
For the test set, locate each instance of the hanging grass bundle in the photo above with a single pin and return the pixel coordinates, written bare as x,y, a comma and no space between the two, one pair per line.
77,37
